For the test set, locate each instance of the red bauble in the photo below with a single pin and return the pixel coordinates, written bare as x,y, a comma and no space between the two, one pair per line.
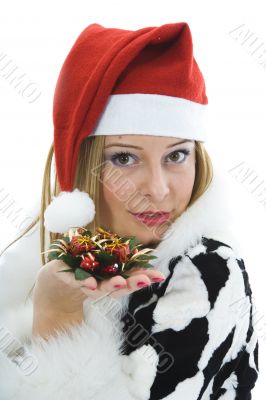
89,263
110,269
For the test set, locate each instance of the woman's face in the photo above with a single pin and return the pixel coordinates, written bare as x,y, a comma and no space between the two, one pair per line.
145,173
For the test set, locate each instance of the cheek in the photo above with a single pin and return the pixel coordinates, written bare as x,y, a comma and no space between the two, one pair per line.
109,197
116,187
183,186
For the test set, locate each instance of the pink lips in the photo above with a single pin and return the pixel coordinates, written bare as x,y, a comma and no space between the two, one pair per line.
156,219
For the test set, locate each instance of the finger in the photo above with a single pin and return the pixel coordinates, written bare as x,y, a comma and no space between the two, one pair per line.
116,282
138,281
90,283
132,285
104,288
151,273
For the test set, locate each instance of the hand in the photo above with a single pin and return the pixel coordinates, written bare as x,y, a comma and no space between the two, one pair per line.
118,286
62,294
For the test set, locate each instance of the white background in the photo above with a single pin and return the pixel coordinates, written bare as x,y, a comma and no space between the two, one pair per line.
36,37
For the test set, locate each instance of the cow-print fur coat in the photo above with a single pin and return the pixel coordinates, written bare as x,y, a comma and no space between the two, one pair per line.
191,337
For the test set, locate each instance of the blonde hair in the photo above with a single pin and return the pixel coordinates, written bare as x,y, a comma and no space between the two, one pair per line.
91,156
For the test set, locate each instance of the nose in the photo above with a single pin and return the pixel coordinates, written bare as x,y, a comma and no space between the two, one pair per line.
154,184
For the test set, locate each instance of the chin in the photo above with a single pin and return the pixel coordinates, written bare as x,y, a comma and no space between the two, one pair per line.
147,240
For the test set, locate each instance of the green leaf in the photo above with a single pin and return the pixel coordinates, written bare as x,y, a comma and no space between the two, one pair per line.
105,258
136,264
147,265
74,262
152,257
144,257
133,244
80,274
125,275
87,233
140,261
66,239
58,248
130,265
53,255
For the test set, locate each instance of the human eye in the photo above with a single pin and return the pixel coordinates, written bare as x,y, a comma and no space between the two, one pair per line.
121,158
185,153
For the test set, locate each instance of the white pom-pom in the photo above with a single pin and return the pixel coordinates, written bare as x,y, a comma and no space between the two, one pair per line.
67,210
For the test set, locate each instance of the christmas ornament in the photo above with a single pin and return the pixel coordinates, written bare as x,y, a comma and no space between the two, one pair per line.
102,255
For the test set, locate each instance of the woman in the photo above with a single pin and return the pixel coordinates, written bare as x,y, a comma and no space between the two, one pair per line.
128,116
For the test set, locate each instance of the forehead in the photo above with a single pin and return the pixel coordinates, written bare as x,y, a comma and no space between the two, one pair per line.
142,139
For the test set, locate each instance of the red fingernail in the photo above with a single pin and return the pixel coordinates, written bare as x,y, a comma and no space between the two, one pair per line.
158,279
142,284
119,286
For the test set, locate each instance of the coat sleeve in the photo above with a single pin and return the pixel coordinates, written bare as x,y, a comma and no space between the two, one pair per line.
239,370
241,374
202,327
82,362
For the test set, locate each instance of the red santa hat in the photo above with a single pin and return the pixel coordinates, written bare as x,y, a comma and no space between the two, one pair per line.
117,82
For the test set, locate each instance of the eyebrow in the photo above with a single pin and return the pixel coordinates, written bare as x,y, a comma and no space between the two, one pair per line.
140,148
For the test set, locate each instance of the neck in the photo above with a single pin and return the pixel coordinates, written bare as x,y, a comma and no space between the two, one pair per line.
151,245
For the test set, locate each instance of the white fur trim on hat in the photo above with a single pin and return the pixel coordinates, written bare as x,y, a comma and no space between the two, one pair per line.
153,114
67,210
